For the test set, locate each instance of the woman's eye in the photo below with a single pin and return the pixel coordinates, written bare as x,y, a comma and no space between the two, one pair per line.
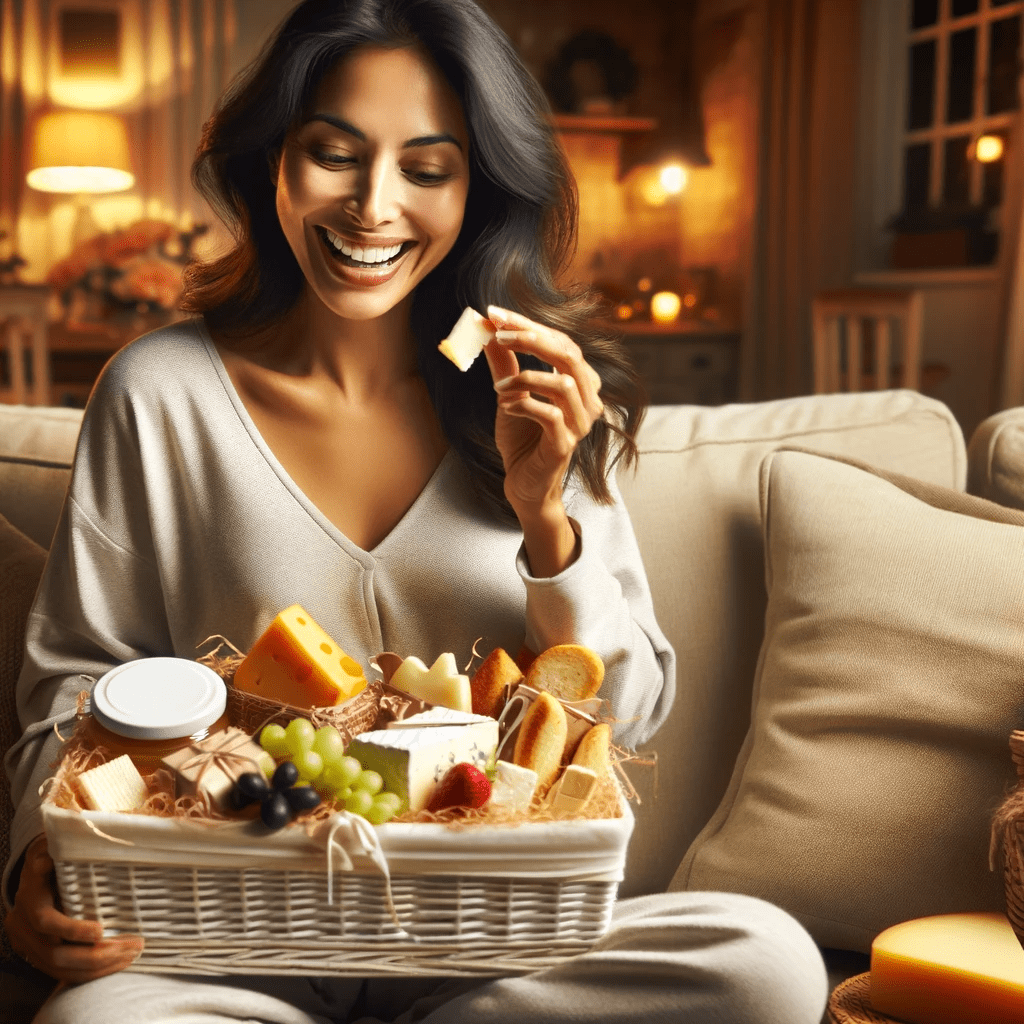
428,177
333,159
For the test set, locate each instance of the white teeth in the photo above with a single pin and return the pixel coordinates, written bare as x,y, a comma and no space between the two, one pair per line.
375,254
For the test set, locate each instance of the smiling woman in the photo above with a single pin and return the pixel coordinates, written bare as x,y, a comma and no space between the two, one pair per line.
384,164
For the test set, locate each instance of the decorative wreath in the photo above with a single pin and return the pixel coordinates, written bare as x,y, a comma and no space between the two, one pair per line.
618,67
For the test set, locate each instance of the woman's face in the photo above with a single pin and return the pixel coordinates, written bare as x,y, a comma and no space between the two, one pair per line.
372,185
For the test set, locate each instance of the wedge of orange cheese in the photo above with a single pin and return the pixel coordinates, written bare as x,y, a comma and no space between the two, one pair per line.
949,969
296,662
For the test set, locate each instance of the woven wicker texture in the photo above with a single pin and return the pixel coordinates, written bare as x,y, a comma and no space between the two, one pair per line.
850,1003
251,712
230,921
21,564
1010,843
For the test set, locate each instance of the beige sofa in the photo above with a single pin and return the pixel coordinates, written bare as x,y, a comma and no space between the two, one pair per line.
850,662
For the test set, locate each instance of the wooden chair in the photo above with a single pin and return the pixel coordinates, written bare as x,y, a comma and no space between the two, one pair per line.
842,367
23,330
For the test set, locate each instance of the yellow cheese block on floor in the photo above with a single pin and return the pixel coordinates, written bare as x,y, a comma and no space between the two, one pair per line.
296,662
949,969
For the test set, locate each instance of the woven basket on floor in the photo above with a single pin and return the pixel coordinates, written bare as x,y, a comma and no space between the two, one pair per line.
850,1003
1008,841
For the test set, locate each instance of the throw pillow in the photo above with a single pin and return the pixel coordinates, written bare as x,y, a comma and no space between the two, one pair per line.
996,459
889,680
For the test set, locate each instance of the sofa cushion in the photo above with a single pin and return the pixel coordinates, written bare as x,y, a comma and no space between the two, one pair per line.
21,565
891,676
995,459
37,446
694,505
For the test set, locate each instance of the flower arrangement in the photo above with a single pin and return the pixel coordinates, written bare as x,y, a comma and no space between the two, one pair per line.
134,270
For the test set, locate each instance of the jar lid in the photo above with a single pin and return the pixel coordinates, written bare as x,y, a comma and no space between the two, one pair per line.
158,698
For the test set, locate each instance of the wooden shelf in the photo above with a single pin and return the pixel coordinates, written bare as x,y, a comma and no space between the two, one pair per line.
601,123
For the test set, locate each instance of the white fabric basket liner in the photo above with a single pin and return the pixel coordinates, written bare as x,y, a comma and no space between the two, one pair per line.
581,849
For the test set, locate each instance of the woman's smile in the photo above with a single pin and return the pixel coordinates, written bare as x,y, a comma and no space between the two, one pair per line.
372,184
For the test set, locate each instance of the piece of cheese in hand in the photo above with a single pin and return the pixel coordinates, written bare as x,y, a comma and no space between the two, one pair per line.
296,662
949,969
412,761
467,339
442,683
114,786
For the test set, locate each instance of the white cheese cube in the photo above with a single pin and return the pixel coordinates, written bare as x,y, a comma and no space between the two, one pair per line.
413,760
467,339
114,786
513,786
572,790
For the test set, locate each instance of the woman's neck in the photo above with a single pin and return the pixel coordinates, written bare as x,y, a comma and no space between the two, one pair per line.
364,359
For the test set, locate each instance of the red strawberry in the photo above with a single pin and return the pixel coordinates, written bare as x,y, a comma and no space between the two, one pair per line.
463,785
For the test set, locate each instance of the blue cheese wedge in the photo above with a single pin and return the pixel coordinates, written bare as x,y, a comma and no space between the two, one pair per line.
413,755
114,786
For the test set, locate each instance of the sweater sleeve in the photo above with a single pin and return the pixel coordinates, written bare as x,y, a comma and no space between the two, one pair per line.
603,601
86,615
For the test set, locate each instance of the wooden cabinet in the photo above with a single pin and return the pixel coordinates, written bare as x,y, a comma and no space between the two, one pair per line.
686,363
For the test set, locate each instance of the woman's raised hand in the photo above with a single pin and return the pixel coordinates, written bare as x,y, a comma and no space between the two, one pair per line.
52,942
542,417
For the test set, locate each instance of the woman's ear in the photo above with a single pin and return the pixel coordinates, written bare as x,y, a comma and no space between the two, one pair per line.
274,165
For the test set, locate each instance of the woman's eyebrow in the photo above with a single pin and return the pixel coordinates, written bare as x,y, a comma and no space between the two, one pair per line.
420,140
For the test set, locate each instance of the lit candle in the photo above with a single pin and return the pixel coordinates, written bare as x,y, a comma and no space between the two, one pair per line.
665,307
673,178
988,148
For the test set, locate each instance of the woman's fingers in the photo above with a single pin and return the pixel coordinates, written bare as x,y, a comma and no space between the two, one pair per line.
559,388
550,346
64,948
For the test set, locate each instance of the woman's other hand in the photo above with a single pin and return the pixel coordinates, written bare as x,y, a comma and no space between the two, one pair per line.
542,417
54,943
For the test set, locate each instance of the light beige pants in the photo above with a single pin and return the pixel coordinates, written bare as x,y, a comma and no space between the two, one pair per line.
678,958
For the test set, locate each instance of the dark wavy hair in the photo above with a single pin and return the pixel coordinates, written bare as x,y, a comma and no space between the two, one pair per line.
518,232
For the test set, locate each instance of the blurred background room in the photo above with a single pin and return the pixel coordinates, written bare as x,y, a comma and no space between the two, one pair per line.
776,196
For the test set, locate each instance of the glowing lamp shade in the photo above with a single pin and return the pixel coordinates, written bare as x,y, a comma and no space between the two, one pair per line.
988,149
665,307
78,151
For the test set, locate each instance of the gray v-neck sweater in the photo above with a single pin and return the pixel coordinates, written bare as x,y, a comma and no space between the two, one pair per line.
180,523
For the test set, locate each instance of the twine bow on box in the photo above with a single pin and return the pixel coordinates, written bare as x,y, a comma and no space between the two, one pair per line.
226,755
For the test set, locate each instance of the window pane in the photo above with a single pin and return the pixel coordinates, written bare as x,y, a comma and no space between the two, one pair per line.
921,103
962,7
956,184
924,13
960,99
1004,65
916,176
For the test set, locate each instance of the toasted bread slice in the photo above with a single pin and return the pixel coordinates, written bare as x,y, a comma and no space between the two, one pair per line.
569,671
594,750
541,740
492,682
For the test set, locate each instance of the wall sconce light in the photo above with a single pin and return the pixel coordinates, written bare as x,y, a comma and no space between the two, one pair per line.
673,178
987,149
80,153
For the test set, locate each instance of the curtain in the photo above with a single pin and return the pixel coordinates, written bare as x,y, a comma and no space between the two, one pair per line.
803,233
175,60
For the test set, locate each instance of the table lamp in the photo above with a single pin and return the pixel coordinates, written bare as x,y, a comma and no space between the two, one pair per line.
82,153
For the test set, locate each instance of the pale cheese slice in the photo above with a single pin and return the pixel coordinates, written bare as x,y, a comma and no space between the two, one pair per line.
467,339
114,786
442,683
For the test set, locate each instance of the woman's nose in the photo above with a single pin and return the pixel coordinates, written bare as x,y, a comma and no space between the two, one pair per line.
377,195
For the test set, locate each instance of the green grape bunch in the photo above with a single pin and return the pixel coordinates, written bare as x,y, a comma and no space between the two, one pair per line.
320,758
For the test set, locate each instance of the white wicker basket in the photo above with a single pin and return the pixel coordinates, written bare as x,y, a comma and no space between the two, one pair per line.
348,899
